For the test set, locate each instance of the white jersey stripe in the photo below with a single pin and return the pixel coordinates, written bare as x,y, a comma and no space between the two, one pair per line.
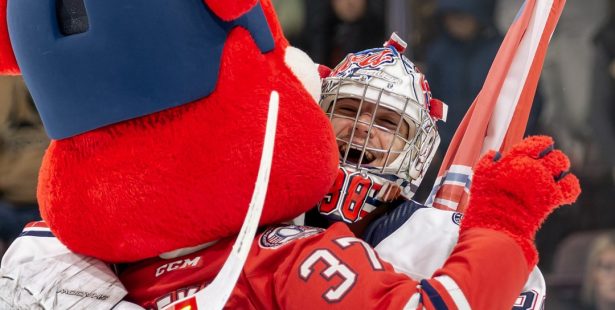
445,202
36,228
454,291
413,303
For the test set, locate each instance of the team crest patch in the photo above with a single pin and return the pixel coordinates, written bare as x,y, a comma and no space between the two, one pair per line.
457,218
275,237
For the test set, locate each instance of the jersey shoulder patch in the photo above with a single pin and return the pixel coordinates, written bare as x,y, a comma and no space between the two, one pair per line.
275,237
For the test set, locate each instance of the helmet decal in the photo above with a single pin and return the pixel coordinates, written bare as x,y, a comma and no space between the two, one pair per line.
363,61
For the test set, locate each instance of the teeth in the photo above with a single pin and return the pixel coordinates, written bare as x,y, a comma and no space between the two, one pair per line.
369,157
355,153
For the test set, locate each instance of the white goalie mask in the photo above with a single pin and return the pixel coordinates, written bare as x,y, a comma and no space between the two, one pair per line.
384,118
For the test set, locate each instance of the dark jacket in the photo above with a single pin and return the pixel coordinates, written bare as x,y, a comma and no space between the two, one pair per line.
328,39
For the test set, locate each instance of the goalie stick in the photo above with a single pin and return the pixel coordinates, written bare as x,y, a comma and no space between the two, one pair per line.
215,295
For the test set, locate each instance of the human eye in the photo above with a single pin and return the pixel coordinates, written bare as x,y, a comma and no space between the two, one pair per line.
388,121
345,109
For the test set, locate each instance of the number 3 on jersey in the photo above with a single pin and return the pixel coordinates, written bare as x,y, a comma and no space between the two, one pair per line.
334,267
348,195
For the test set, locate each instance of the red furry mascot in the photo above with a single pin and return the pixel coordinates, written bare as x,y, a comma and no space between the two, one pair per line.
157,111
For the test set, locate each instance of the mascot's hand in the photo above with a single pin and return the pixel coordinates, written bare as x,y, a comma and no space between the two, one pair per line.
515,192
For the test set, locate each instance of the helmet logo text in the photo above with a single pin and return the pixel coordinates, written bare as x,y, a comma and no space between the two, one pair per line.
369,59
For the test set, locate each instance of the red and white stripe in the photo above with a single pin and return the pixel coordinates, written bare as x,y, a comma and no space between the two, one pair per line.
448,290
498,116
36,226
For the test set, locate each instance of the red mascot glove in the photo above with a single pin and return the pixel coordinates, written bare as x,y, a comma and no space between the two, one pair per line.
514,193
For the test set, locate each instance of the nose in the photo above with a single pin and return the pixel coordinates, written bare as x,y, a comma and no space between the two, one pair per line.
363,123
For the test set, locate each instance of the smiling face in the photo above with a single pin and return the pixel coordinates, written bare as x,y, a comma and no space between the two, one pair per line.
379,105
380,131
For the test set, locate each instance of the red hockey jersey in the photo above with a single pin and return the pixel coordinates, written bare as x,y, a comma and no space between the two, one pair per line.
297,267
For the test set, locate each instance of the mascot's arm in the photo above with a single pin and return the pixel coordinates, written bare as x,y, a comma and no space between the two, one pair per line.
511,194
417,240
40,272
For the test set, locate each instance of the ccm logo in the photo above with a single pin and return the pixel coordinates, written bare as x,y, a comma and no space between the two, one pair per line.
177,265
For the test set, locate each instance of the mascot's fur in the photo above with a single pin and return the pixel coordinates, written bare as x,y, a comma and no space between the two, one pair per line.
504,198
184,176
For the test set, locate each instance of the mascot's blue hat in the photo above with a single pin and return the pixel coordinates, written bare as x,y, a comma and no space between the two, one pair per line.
107,76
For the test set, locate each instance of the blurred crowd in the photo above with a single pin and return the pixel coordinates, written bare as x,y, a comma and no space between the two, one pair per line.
454,43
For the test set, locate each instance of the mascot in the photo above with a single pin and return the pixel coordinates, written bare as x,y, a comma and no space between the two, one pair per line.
157,112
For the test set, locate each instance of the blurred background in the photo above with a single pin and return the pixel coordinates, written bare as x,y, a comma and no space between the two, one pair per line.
453,42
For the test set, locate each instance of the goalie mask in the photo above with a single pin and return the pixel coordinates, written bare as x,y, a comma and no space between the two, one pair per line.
384,120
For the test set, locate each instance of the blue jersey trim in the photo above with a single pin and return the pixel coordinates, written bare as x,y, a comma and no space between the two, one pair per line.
433,295
37,233
458,177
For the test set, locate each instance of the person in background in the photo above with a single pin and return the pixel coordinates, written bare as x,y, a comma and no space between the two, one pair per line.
292,19
335,28
602,98
602,124
599,284
22,144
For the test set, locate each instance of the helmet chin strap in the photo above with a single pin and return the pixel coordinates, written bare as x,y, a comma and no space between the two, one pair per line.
216,294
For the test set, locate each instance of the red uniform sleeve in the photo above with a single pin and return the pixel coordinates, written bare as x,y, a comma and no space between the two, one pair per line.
489,267
339,271
336,270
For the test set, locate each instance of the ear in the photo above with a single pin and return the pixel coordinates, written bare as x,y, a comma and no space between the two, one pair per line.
232,9
229,9
8,64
